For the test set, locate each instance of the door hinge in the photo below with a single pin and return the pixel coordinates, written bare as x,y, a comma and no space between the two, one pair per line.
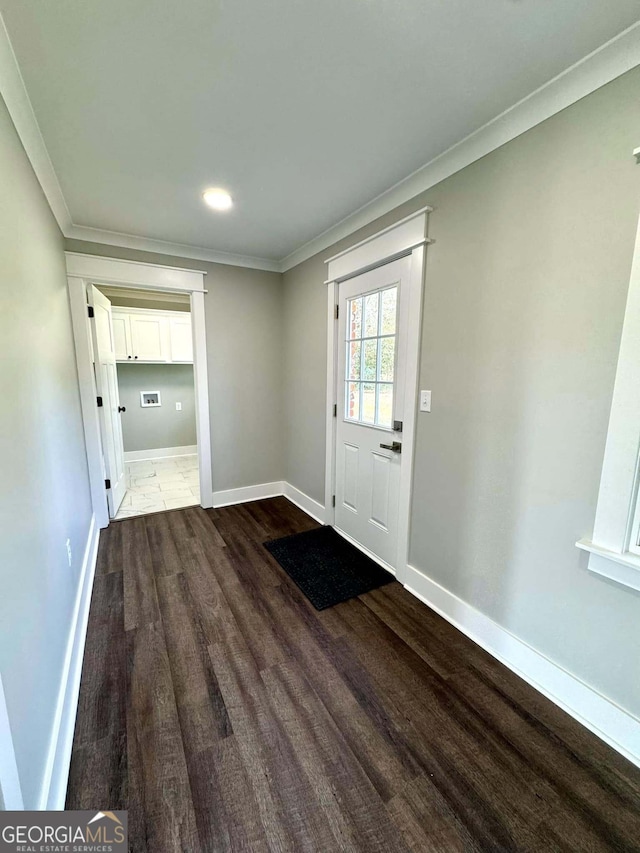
337,311
335,410
99,402
107,484
90,311
333,501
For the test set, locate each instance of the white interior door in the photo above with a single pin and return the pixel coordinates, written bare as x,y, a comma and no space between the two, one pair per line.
372,333
107,388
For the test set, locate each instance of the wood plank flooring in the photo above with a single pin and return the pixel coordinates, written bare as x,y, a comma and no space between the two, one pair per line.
225,713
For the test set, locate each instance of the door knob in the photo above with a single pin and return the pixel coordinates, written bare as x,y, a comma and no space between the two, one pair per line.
122,408
395,447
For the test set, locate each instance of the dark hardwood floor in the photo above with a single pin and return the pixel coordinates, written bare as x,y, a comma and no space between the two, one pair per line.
225,713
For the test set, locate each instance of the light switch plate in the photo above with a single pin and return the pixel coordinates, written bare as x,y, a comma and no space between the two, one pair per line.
425,401
178,407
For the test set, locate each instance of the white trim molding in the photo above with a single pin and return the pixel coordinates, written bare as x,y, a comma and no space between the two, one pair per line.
137,274
18,103
600,715
54,787
405,238
611,60
83,270
613,547
245,494
623,568
312,507
384,246
162,247
160,453
10,789
279,488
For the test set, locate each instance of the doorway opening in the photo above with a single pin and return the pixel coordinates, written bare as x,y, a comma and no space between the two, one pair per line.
130,319
155,409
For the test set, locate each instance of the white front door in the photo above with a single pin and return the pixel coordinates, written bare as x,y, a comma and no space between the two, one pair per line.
372,333
107,388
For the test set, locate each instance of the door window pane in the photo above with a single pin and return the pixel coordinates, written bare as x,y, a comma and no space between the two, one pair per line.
388,319
369,403
371,315
370,365
370,357
354,322
384,414
386,362
353,359
353,401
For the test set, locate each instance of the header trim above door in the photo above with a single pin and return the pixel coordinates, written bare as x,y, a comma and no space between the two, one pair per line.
135,273
381,248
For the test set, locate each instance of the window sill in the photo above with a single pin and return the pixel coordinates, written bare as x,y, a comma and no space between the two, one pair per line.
622,568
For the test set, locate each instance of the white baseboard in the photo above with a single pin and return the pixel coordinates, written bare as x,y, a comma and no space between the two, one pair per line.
54,787
608,721
277,489
304,502
160,453
10,790
228,497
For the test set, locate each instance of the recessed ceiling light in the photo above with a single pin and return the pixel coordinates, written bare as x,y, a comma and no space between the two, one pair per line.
217,199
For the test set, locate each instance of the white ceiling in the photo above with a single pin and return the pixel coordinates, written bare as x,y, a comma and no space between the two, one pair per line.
304,110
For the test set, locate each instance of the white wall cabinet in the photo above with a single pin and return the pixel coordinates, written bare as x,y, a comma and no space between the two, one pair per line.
152,337
121,335
181,338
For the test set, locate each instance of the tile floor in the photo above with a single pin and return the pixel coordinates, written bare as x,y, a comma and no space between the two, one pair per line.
154,485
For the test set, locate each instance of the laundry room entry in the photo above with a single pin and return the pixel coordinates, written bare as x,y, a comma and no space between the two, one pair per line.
155,406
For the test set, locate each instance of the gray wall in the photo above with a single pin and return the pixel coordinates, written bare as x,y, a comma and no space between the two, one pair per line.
44,495
524,303
244,346
305,375
148,428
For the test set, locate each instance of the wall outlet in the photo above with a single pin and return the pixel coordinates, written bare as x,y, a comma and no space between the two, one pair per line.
178,407
69,551
425,401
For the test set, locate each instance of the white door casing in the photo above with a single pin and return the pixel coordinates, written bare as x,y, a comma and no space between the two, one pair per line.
407,240
83,270
107,386
372,328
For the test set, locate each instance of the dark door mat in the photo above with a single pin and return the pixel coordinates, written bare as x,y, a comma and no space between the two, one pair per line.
326,567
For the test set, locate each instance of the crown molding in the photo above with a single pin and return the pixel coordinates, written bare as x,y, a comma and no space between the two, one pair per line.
18,103
598,68
19,106
162,247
